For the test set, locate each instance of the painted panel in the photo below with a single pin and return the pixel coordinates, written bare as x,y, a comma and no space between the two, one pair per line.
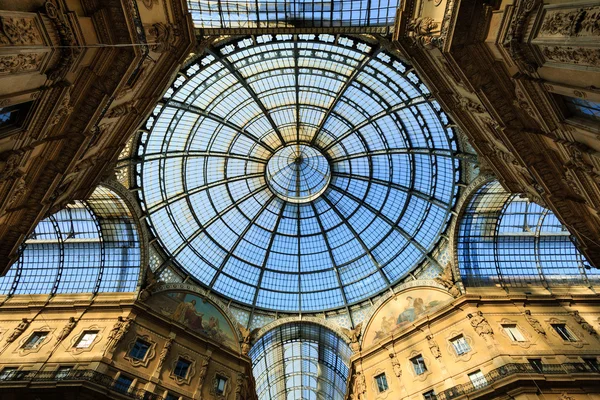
196,314
402,310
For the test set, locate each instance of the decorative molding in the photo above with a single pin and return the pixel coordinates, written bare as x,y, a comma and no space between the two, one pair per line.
424,376
17,31
75,338
572,22
579,343
149,355
23,352
572,55
20,63
191,371
524,344
450,347
213,386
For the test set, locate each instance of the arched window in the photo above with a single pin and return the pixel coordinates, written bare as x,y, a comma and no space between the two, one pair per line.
505,239
300,361
88,247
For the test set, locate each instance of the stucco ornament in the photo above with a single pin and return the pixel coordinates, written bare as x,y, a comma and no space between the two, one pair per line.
117,332
354,335
481,326
535,324
396,365
18,31
447,280
433,346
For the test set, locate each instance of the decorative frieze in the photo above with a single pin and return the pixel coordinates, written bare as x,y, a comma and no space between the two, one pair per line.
572,55
19,63
572,22
18,31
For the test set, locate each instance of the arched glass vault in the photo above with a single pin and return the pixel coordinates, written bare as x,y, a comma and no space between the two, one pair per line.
505,239
298,172
90,246
300,361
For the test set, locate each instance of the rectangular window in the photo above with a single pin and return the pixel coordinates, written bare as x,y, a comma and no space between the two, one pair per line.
139,349
419,365
536,363
430,395
36,339
460,345
8,373
12,117
220,385
171,396
182,367
478,379
513,333
592,364
382,384
86,339
564,332
583,108
123,383
63,372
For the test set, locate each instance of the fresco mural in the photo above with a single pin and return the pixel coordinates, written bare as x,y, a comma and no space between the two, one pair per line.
400,311
191,311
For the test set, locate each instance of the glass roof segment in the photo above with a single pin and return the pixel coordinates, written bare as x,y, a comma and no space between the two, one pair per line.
226,14
508,240
362,206
300,361
88,247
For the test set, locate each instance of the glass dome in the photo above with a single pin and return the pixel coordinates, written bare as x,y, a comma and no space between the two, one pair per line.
298,172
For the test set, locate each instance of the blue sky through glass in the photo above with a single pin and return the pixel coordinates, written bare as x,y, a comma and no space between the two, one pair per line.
375,133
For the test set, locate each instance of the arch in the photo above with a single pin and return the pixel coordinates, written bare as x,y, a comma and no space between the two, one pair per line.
90,246
301,360
505,239
205,294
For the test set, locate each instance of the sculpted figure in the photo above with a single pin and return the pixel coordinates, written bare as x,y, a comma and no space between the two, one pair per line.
66,330
535,324
164,353
117,332
361,385
481,326
18,331
422,25
354,335
396,365
247,335
579,319
435,349
446,279
202,373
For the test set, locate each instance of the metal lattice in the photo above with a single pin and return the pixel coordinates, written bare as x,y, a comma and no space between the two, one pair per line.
505,239
88,247
298,173
227,14
300,361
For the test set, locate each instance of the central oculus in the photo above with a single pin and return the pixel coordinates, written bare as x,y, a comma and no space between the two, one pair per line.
298,173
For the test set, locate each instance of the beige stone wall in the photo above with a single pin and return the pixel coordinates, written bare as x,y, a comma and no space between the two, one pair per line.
153,374
430,336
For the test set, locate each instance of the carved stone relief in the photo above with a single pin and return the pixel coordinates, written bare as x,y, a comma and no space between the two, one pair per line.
19,63
572,55
572,22
18,31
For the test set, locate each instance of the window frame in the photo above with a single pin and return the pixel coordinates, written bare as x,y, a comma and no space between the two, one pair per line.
536,364
430,395
117,386
42,336
82,337
478,379
462,341
136,349
564,332
510,329
187,370
381,378
220,378
417,362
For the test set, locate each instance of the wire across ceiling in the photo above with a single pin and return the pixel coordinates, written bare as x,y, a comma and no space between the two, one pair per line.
298,172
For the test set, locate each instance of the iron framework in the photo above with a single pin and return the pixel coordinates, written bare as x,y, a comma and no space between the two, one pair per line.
300,361
507,240
88,247
392,154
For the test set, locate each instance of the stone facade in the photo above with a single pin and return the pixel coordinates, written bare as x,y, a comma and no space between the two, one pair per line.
96,362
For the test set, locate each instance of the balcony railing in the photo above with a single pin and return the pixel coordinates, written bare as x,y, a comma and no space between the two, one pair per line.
513,369
79,376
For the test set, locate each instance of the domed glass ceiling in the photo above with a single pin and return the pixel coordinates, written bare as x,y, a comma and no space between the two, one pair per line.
298,173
